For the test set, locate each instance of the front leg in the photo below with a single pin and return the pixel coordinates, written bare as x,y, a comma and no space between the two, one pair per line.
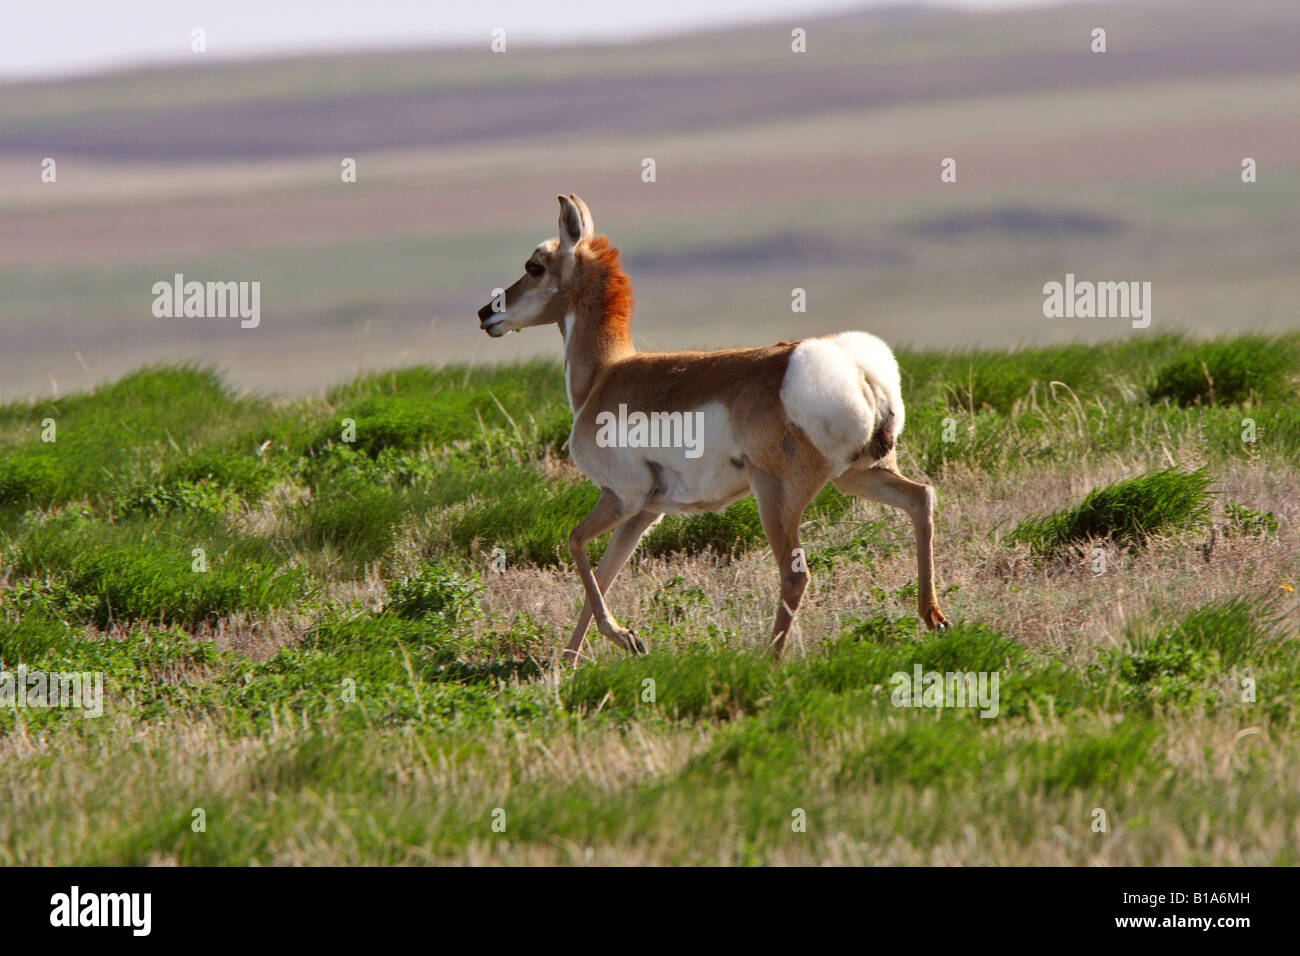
608,513
621,545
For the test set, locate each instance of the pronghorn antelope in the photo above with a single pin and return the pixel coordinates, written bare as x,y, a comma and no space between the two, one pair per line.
777,422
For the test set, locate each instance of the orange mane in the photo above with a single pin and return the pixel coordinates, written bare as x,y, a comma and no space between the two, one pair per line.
618,287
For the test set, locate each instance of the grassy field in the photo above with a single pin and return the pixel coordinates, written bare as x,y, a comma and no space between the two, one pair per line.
309,657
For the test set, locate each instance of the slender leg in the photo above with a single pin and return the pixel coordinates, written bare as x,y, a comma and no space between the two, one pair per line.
886,485
608,513
621,545
781,506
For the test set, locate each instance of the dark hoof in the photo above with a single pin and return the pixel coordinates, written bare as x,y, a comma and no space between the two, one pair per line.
638,645
935,620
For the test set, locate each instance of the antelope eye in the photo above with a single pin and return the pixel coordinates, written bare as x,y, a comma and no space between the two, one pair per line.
534,269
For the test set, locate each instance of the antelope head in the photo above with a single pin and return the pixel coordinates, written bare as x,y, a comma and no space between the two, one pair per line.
538,296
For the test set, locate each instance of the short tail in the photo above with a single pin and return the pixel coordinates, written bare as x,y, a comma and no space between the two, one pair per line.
883,438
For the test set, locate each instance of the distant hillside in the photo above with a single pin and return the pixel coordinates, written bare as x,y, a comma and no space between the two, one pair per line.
774,170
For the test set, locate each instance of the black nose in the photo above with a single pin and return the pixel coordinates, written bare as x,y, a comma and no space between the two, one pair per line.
486,313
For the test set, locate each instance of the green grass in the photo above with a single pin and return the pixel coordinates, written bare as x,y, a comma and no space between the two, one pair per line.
182,571
1002,380
101,442
412,408
382,705
1213,656
1230,372
1127,512
818,735
434,591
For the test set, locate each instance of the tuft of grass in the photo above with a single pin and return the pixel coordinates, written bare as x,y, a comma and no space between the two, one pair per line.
1200,660
1229,372
448,594
1128,511
1238,630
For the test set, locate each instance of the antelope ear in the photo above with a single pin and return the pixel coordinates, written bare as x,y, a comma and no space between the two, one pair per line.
570,224
588,224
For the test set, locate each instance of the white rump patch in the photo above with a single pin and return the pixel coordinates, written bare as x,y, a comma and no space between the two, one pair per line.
838,389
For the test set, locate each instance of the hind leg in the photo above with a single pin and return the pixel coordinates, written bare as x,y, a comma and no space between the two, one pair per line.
884,484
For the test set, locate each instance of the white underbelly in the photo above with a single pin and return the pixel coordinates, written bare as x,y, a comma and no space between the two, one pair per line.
692,491
681,469
709,475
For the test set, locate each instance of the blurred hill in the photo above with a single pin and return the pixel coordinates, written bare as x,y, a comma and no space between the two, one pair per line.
774,170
